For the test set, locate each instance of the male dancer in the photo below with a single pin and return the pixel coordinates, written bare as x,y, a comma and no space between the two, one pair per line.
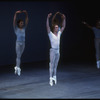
54,37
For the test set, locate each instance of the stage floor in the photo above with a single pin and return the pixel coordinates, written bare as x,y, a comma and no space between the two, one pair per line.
74,81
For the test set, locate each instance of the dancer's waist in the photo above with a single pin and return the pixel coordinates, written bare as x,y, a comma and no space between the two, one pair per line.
55,48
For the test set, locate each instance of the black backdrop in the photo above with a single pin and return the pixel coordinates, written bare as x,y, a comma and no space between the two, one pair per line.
77,41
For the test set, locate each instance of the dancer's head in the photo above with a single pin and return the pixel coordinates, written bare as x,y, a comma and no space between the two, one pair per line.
55,28
20,23
55,25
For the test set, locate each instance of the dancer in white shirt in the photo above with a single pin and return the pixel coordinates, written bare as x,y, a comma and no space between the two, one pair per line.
54,37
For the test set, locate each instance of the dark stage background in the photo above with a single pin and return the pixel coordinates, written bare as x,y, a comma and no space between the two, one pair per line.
77,41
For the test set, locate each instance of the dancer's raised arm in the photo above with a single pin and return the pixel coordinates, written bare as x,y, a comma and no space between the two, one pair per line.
87,25
26,18
14,20
47,22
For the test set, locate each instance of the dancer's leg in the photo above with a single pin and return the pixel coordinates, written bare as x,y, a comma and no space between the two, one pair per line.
51,65
55,67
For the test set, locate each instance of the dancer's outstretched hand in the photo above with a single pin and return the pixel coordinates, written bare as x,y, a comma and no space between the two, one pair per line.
49,15
84,22
19,11
63,16
24,11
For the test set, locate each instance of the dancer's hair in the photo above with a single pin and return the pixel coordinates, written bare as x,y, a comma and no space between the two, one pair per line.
18,21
